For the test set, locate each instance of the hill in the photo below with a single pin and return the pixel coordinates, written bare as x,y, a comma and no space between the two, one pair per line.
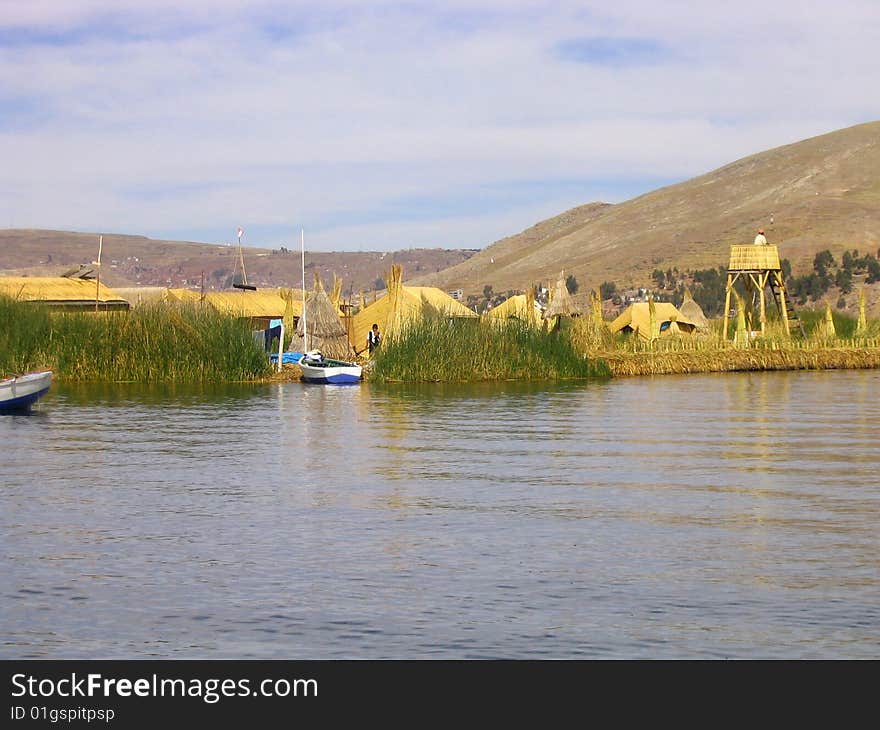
820,193
817,194
139,261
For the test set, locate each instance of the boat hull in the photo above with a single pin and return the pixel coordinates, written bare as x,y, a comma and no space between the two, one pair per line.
330,373
18,394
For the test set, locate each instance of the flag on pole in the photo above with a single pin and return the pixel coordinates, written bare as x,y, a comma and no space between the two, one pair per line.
240,233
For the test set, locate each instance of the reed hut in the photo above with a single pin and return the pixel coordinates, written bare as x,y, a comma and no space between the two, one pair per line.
402,305
522,307
138,296
650,320
323,325
177,296
63,293
561,303
693,311
261,309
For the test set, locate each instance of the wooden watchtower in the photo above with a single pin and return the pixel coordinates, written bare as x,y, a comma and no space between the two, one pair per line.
759,268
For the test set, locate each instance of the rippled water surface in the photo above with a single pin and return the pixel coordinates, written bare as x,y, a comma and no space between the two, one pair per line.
733,516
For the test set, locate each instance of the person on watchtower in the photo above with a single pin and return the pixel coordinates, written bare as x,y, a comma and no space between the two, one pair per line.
759,239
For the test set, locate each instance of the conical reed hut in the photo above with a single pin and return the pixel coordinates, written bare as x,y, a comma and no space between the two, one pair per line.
693,311
561,303
325,329
402,305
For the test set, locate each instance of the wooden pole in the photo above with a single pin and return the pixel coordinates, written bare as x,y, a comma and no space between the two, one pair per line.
98,277
302,248
763,283
782,305
281,346
727,305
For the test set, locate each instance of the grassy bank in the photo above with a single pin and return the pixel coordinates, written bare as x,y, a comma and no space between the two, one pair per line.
436,350
158,343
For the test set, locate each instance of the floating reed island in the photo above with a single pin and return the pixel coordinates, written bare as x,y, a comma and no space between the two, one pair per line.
830,341
154,343
427,337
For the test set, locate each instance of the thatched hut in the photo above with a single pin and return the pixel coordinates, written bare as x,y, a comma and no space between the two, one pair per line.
561,303
402,305
63,292
522,307
693,311
650,320
178,296
323,326
138,296
260,308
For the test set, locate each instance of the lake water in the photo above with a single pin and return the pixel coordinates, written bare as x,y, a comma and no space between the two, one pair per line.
716,516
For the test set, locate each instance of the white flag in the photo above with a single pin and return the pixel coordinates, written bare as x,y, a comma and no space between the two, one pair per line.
240,233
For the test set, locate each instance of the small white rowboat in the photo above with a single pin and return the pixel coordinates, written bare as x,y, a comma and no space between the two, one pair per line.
21,392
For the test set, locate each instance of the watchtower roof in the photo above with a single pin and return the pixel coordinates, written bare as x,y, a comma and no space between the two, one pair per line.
754,258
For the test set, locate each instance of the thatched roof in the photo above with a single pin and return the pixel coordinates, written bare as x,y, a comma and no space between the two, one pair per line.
561,302
693,311
139,295
181,295
667,320
62,292
251,304
520,306
401,305
326,332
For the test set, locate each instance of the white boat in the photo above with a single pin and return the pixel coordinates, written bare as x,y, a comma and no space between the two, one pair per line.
317,369
21,392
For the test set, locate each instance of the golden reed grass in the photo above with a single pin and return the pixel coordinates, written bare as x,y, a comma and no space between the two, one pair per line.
794,356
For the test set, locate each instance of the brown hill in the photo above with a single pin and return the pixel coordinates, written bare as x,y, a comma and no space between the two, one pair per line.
137,260
820,193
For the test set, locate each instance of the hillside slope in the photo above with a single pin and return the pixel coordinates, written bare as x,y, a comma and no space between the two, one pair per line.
137,260
820,193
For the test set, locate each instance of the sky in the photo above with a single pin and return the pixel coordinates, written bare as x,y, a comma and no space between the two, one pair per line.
393,125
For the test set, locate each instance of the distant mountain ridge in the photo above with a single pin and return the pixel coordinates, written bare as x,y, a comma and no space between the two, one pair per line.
820,193
137,260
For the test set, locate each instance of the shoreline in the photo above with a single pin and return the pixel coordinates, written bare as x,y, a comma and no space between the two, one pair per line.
692,362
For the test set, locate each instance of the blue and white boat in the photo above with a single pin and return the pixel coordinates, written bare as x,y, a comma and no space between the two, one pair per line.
21,392
318,369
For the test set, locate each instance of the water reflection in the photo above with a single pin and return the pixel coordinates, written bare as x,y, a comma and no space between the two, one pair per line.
698,516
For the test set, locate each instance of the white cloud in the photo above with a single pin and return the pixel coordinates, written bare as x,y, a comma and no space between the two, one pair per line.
142,118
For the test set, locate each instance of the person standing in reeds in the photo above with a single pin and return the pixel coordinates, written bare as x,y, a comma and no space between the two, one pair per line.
373,338
760,240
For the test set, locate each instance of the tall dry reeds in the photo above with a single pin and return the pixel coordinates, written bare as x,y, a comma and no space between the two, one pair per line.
438,349
153,343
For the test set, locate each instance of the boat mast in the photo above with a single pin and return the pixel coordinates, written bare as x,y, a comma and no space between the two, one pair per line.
302,247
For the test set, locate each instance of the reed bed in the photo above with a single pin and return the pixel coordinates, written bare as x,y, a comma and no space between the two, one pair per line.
23,332
705,352
153,343
732,359
435,349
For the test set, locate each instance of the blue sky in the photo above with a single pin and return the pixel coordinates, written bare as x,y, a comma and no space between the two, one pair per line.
389,125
